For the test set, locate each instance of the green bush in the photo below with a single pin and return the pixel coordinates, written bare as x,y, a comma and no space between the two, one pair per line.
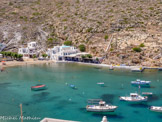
21,17
10,3
89,56
50,39
106,37
34,56
142,45
50,42
89,29
13,55
36,13
82,48
111,49
64,20
151,8
137,49
44,55
14,13
68,43
20,56
83,56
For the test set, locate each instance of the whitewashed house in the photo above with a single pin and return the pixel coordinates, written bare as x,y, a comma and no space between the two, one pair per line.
32,45
59,53
29,51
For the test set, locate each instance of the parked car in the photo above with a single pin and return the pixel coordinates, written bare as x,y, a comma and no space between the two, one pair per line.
40,58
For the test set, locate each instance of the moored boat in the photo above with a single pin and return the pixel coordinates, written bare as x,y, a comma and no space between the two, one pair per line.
134,97
101,84
141,82
38,87
101,107
156,108
72,86
104,119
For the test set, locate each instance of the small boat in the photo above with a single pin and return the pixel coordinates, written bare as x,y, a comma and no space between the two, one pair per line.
141,82
111,68
101,83
104,119
38,87
147,93
134,97
72,86
101,107
156,108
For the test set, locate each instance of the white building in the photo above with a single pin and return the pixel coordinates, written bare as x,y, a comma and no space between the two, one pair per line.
29,51
32,45
59,53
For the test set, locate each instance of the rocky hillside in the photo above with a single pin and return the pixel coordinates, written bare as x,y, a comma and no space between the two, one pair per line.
127,24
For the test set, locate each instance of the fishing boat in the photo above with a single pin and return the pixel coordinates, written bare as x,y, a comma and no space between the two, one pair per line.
147,93
134,97
156,108
72,86
101,106
141,82
38,87
101,84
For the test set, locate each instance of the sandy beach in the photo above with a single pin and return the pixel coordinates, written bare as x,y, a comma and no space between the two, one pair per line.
108,66
20,63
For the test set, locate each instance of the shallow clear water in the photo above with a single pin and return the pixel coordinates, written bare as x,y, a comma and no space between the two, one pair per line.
60,101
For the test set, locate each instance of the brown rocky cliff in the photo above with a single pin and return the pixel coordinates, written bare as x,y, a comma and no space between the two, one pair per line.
89,22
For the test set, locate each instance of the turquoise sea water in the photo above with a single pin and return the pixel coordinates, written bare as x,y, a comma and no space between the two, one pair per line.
60,101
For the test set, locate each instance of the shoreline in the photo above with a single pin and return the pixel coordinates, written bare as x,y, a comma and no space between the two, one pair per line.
22,63
106,65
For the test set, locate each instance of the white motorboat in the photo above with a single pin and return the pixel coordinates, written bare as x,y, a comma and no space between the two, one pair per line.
140,82
156,108
101,107
104,119
72,86
101,83
134,97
